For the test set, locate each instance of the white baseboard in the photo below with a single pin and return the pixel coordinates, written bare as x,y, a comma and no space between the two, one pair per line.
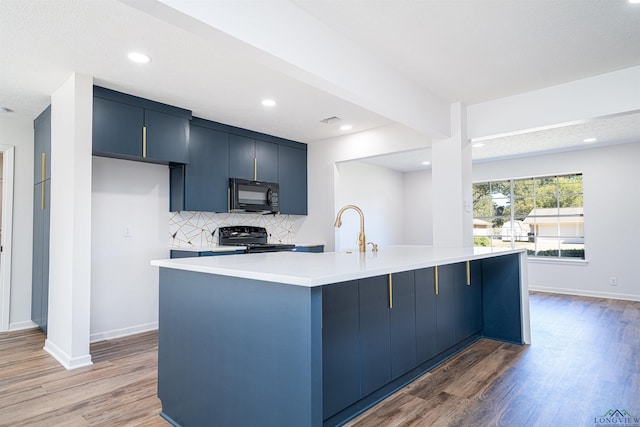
118,333
65,360
584,293
27,324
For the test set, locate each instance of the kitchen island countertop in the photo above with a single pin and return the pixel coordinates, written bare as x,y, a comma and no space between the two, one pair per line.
317,269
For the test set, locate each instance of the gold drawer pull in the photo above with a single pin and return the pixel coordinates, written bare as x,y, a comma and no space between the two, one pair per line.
144,141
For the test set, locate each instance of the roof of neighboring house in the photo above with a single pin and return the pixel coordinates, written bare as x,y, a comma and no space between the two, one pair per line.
550,215
480,223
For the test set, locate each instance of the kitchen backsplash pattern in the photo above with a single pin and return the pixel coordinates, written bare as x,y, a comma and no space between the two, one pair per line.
189,229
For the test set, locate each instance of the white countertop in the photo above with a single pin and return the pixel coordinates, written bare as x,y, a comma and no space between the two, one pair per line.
317,269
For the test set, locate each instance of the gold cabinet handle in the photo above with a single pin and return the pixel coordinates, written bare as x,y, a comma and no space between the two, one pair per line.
390,291
42,195
468,274
144,141
255,169
435,279
44,165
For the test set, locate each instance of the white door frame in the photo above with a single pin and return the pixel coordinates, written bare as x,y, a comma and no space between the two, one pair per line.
7,234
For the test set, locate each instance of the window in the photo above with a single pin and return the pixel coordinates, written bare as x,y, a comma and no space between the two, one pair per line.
543,214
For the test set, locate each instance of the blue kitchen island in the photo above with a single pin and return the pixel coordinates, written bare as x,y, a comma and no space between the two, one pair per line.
313,339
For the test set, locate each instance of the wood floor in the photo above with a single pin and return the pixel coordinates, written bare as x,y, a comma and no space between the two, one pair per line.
119,389
584,360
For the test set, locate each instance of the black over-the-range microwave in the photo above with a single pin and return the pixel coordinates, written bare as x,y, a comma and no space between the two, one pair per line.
253,196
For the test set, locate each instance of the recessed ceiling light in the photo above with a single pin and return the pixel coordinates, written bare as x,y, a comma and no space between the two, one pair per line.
426,163
478,145
139,57
590,139
268,102
634,1
346,127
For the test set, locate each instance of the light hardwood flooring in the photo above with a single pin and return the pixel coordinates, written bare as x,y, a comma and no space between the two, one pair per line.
118,389
584,360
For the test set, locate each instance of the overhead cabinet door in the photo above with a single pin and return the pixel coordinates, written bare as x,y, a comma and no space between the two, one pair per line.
207,173
117,128
292,177
128,127
252,159
166,137
42,147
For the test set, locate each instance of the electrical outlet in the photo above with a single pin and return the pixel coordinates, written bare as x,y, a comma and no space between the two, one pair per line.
126,232
613,281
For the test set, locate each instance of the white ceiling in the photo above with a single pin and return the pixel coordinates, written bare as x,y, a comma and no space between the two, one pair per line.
459,50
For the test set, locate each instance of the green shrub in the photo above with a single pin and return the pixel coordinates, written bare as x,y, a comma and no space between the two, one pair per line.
481,241
566,253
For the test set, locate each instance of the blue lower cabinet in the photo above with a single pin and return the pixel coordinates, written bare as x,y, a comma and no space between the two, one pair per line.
375,332
403,323
340,349
426,340
501,311
445,307
468,282
190,254
313,248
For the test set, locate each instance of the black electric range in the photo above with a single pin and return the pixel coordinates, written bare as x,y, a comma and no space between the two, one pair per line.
255,239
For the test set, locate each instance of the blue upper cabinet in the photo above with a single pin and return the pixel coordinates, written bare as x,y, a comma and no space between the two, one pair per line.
292,177
207,172
128,127
266,161
42,146
167,137
252,159
242,153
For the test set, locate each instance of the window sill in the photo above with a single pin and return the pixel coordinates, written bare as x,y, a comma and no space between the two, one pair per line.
557,261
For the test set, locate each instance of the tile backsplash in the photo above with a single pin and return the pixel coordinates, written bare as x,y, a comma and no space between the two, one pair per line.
189,229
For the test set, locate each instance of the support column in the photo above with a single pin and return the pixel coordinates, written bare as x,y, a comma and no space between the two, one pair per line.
70,237
451,185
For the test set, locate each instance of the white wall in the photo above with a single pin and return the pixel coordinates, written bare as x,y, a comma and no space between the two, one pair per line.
19,133
378,192
611,204
418,211
124,287
322,157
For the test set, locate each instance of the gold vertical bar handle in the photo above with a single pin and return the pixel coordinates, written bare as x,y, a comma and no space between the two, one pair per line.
468,274
390,291
144,141
255,169
435,279
42,195
44,165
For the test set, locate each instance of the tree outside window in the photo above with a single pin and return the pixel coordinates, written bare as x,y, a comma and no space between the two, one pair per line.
545,215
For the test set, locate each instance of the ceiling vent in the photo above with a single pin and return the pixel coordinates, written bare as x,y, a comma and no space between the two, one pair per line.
330,120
